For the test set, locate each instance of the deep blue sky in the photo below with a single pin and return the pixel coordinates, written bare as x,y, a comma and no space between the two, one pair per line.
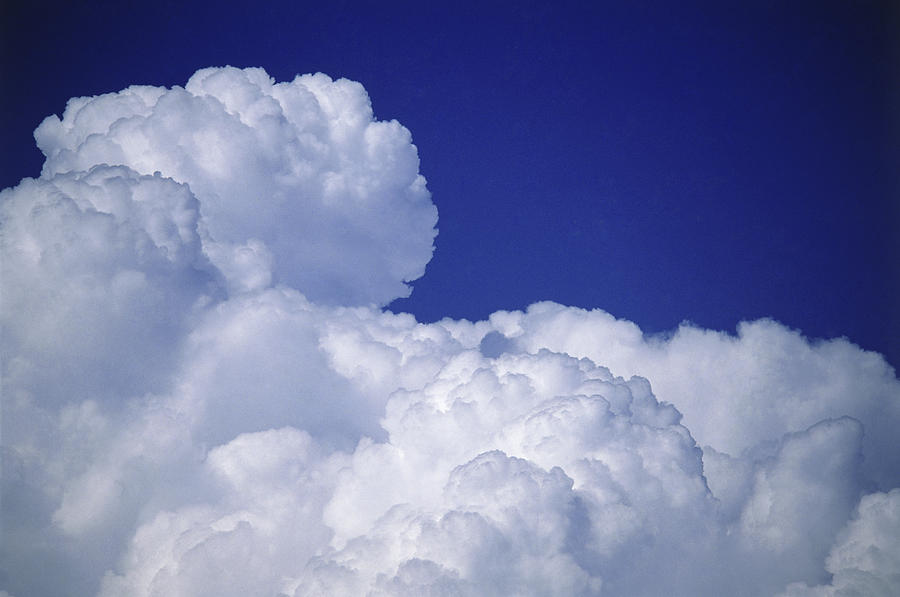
710,161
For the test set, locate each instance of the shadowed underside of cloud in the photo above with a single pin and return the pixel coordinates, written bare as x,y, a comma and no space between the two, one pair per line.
201,394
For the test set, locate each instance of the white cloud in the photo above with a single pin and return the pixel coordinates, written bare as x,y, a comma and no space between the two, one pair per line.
298,173
201,396
101,272
866,558
734,391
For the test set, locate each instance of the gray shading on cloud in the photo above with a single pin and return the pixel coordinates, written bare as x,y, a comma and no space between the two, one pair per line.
202,392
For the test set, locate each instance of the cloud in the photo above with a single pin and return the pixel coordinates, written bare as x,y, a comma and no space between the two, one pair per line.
866,558
94,261
201,394
734,391
298,175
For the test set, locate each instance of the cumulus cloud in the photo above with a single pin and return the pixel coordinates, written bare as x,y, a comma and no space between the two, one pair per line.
94,261
735,391
297,176
866,558
202,394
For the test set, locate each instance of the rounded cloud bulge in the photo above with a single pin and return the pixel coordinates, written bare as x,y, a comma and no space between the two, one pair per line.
203,394
298,176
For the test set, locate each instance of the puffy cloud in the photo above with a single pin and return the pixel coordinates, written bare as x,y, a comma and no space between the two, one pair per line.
201,395
246,539
101,272
734,391
295,176
866,558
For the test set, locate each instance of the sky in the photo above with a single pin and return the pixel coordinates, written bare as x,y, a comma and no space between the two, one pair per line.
391,299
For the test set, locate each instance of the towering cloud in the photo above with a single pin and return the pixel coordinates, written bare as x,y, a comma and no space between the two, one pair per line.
202,394
296,181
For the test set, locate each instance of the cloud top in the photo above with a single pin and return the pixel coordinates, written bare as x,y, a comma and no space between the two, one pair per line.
297,178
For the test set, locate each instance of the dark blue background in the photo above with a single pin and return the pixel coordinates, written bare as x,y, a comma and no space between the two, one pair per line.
708,161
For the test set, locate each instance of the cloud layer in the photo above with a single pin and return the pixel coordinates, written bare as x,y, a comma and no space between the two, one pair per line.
202,395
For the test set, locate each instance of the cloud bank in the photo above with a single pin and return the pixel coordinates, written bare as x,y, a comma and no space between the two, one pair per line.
203,395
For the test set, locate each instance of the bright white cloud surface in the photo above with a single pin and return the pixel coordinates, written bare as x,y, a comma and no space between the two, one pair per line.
202,395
